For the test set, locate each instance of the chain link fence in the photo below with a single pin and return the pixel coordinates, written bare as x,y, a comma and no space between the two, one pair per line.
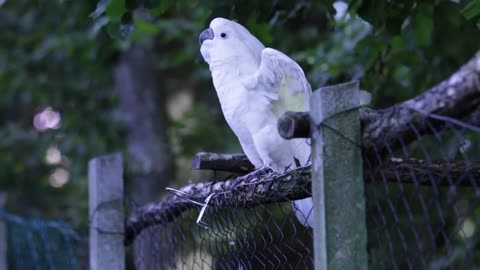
423,212
421,165
38,244
261,237
423,199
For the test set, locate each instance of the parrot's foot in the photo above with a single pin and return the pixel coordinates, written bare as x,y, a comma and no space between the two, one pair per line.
258,172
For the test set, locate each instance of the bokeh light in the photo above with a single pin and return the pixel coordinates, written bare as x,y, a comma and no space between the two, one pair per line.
53,156
47,119
59,178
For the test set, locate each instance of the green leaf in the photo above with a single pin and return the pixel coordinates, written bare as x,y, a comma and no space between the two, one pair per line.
372,11
422,24
113,30
397,13
471,10
122,29
161,8
145,27
116,9
354,5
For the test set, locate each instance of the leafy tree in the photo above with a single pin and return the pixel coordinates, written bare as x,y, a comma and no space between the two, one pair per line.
58,57
62,64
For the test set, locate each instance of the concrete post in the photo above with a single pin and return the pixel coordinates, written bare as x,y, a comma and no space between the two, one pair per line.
340,235
106,211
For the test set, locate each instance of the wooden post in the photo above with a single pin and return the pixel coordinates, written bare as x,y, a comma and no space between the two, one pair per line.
3,234
106,211
340,235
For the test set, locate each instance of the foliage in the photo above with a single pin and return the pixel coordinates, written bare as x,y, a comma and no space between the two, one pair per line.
393,47
471,9
48,60
57,54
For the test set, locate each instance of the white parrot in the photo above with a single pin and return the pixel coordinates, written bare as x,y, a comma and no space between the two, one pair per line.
256,86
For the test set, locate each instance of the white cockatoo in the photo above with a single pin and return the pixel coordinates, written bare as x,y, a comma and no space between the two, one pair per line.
256,86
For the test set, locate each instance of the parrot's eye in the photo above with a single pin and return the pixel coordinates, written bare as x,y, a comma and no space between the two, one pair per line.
223,35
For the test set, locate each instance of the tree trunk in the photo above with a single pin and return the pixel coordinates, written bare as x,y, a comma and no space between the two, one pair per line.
149,161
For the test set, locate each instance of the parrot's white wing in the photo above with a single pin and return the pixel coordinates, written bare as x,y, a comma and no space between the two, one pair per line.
283,81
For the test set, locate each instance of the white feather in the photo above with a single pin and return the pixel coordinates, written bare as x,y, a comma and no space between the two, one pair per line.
256,86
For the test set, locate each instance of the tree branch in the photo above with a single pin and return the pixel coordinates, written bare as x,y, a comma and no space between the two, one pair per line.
236,163
456,97
421,172
262,188
244,191
294,125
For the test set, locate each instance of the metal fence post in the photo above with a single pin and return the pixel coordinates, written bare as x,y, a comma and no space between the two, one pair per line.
340,235
106,211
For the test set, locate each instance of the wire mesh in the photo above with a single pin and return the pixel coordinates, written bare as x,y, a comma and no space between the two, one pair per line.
42,244
423,212
267,236
423,198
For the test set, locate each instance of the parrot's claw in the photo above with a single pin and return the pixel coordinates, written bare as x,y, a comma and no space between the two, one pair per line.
258,172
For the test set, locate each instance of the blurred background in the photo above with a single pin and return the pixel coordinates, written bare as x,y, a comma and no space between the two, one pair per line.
80,79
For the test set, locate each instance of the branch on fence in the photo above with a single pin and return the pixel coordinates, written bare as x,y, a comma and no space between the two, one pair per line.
421,172
244,191
474,117
261,188
456,97
294,125
236,163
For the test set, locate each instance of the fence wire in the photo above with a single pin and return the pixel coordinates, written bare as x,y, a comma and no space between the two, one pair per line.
38,244
423,212
261,237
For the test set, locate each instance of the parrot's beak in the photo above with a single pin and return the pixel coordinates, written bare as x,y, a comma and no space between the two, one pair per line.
206,34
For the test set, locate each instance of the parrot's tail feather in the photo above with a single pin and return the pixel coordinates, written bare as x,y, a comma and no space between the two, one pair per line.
303,210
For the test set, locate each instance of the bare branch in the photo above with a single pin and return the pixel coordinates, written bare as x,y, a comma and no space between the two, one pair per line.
456,97
236,163
294,125
244,191
421,172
